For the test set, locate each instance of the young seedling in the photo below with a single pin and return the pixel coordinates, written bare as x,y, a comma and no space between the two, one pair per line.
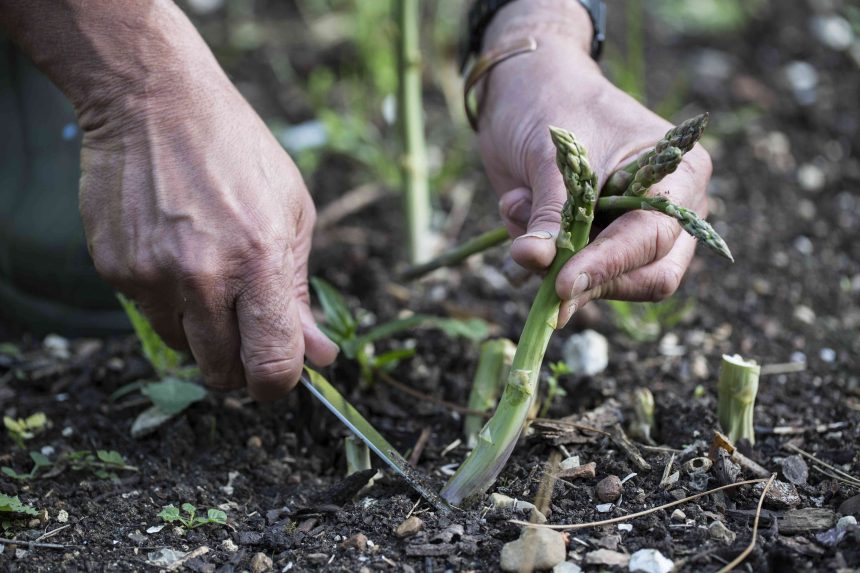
497,439
643,415
103,464
14,506
342,326
173,392
23,429
170,514
494,363
554,389
736,392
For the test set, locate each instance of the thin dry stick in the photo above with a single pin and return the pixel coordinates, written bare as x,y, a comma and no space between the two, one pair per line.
737,560
835,477
846,476
33,544
350,202
423,438
53,532
641,513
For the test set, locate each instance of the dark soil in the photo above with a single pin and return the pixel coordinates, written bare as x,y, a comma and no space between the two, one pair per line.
791,295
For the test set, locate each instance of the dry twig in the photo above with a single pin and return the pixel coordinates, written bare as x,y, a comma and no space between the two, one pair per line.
846,477
737,560
572,526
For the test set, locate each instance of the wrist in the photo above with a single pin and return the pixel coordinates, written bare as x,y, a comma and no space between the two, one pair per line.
560,20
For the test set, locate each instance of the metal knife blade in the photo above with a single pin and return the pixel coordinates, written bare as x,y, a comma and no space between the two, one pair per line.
338,405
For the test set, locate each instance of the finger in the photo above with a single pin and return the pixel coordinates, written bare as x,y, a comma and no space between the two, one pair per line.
213,335
632,241
536,248
166,322
318,347
272,341
515,208
653,282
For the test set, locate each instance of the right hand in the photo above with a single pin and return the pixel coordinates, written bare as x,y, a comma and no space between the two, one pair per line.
193,209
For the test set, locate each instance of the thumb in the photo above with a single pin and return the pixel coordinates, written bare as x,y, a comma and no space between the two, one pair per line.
318,348
535,249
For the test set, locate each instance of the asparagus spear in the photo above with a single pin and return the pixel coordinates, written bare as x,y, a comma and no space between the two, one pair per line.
497,439
687,218
493,366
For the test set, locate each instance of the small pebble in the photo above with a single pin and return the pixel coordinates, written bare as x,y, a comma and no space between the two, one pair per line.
586,353
536,548
607,557
357,542
781,495
317,558
255,442
827,355
719,532
679,515
811,177
62,516
609,488
409,527
260,563
567,567
650,561
795,470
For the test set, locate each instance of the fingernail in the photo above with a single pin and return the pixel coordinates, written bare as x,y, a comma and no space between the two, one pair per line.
537,235
580,285
571,310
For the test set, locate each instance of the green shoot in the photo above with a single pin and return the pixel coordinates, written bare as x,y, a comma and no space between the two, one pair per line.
341,326
737,389
12,504
164,360
643,416
410,112
645,321
554,389
357,455
170,514
497,439
493,366
40,462
172,395
23,429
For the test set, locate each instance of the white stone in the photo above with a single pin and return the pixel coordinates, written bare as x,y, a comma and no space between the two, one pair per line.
567,567
62,516
229,546
537,548
650,561
586,353
833,31
827,355
811,177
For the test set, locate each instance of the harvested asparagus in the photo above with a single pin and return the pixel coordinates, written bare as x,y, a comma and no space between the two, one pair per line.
497,439
493,366
736,391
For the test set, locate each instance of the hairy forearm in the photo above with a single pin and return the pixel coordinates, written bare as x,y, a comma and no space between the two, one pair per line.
113,57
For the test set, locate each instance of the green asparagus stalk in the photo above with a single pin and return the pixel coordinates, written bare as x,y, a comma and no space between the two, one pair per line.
643,415
411,119
458,254
683,136
736,390
493,367
497,439
654,169
689,221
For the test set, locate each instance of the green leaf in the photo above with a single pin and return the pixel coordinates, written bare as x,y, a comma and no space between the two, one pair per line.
10,349
163,359
36,422
13,474
216,516
126,389
188,508
41,460
390,359
110,457
173,395
472,328
169,514
338,318
13,425
14,505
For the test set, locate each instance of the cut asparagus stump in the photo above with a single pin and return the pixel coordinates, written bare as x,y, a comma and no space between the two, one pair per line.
494,364
498,437
736,391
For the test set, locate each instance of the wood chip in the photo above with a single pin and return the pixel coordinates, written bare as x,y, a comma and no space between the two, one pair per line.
588,471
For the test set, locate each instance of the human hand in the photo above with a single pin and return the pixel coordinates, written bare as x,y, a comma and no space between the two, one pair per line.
640,255
193,209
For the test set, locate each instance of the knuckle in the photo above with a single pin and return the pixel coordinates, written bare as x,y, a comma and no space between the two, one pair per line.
274,366
665,284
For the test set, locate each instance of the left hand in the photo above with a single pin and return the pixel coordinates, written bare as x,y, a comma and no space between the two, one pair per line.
640,255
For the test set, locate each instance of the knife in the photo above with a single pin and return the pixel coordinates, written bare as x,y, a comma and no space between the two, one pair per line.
358,425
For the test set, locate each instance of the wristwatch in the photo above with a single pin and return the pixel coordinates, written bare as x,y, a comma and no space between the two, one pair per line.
482,11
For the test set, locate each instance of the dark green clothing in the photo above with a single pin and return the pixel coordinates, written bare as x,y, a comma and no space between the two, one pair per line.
47,280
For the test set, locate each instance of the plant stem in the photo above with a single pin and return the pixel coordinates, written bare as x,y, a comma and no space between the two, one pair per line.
497,439
411,115
493,366
459,253
357,455
737,390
